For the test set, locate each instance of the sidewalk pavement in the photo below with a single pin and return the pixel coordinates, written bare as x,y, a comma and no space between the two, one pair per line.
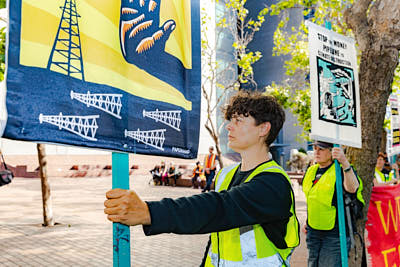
83,236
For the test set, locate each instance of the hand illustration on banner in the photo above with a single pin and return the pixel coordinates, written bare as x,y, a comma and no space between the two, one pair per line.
143,40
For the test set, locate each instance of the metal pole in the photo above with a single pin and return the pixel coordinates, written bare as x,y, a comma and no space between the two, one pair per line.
121,232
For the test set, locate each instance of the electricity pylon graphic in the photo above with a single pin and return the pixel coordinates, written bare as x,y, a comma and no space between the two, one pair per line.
84,126
153,138
171,118
66,55
110,103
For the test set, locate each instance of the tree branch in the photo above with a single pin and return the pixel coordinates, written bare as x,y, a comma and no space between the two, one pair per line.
356,17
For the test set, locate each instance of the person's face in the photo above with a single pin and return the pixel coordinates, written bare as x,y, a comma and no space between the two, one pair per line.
380,162
211,150
322,155
243,133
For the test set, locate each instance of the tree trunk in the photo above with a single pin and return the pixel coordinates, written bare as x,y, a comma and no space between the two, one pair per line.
48,219
376,75
377,32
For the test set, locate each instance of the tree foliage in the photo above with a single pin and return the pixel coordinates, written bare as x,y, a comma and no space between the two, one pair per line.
237,25
374,25
293,43
2,44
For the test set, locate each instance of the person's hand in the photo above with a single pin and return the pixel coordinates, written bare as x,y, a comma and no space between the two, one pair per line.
304,229
395,166
337,153
125,206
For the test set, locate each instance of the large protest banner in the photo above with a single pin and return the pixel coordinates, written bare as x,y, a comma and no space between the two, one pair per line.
119,75
335,104
382,229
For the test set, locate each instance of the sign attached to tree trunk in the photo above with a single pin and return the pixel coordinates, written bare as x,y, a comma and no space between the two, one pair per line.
382,229
394,142
119,75
335,99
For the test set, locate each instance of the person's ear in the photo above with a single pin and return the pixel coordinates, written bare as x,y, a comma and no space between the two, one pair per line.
265,127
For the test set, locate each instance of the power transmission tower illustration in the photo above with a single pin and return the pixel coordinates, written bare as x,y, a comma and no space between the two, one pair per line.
153,138
110,103
66,54
84,126
171,118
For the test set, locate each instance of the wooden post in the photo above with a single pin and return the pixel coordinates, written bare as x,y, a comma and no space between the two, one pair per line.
48,219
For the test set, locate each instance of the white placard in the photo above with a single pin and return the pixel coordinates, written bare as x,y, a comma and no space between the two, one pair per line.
394,137
335,97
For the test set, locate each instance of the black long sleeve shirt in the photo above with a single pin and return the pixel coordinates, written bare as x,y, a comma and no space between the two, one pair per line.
265,200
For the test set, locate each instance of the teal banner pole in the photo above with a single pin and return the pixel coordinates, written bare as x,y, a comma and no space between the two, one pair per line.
339,194
340,207
121,232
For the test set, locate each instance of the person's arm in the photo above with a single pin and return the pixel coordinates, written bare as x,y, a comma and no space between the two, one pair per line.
214,166
350,180
395,174
376,183
262,200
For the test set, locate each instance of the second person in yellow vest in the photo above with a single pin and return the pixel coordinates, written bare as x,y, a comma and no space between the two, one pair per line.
319,186
381,178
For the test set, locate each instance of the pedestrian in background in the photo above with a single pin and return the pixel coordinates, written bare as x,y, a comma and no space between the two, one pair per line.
209,168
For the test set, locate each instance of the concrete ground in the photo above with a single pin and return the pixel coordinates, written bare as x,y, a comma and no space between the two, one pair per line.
83,236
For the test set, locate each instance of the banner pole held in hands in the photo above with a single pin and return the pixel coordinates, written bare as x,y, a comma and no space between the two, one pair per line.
121,232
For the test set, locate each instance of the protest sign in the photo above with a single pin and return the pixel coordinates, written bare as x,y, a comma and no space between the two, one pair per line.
335,105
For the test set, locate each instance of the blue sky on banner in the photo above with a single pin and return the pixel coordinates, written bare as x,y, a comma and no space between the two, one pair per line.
134,86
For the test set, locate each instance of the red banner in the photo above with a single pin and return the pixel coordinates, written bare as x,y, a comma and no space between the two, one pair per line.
383,227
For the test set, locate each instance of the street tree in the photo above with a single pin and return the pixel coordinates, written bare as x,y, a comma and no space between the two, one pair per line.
48,219
220,78
375,26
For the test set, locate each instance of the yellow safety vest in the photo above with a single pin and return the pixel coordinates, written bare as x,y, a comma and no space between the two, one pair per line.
248,245
321,215
381,178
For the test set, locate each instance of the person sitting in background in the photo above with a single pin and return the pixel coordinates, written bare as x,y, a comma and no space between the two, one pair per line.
172,173
155,172
196,174
381,178
164,174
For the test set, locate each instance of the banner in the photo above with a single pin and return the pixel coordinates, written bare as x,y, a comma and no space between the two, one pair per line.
335,99
118,75
382,230
394,126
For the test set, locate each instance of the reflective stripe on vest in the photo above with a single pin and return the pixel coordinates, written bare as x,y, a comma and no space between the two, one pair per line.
321,215
248,245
